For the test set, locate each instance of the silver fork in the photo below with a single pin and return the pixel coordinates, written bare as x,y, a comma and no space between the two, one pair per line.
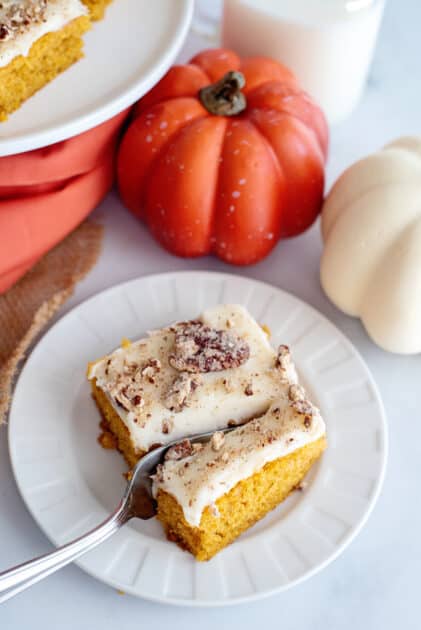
137,502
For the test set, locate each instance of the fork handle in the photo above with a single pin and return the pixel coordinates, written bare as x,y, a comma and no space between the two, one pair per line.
17,579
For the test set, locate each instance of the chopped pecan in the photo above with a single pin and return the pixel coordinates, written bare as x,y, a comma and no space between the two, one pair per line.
228,385
296,392
180,391
303,407
217,441
306,409
130,368
159,474
5,33
150,369
197,447
179,451
127,396
167,425
249,390
283,359
199,348
17,16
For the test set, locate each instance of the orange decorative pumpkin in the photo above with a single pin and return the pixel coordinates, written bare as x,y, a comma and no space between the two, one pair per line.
225,156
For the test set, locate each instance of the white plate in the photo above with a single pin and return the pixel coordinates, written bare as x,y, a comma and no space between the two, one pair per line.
125,55
70,484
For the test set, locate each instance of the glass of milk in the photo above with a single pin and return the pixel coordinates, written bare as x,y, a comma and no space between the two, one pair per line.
328,44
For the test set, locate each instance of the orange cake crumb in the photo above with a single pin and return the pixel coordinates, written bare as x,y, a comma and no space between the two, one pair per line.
49,56
97,8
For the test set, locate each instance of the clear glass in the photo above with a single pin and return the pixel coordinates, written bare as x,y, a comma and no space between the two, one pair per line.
329,44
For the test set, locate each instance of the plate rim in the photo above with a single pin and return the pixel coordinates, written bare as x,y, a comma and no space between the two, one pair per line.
94,116
320,566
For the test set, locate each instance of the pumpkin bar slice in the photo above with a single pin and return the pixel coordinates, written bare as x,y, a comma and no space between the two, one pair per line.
39,39
209,494
194,376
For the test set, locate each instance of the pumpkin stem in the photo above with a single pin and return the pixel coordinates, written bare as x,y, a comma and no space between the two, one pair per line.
224,98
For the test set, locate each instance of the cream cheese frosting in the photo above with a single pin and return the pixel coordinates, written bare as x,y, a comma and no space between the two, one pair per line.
162,394
197,478
23,22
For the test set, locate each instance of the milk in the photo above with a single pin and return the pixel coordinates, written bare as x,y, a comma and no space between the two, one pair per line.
329,44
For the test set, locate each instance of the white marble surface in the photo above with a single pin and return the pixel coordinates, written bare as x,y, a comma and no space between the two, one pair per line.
375,583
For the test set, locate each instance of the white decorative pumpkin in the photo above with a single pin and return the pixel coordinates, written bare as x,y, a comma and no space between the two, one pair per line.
371,226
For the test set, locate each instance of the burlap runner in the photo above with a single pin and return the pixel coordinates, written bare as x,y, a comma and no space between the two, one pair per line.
27,307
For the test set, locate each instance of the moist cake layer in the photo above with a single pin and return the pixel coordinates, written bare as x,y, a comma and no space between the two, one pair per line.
48,57
194,377
23,22
237,510
198,475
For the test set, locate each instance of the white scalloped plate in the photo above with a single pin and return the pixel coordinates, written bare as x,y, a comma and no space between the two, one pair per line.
70,484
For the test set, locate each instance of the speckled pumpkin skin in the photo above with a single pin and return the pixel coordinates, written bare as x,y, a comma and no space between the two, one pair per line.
232,186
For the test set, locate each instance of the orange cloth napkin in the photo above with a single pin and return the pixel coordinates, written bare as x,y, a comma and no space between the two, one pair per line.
28,306
45,194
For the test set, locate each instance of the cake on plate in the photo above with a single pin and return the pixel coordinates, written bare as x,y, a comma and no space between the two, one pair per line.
208,494
205,375
194,376
39,39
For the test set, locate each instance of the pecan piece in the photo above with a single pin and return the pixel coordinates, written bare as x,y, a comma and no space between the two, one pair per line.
179,451
5,33
150,369
296,392
199,348
167,425
303,407
306,409
180,391
249,390
283,359
217,441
